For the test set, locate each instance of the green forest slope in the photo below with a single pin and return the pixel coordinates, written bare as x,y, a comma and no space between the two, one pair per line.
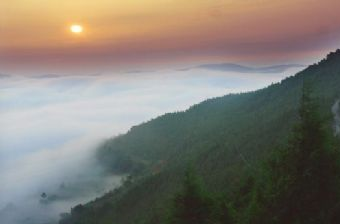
226,139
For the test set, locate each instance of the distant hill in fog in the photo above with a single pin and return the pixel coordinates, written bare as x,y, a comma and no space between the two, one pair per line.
231,67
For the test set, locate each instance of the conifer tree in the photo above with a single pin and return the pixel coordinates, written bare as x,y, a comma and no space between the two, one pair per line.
302,179
192,205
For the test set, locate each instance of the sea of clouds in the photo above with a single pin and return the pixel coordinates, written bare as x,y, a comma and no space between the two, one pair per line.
51,124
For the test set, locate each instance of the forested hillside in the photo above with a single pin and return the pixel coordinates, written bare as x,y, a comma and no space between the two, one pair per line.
229,142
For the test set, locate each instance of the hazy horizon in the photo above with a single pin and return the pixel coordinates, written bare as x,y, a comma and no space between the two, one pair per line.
151,34
75,73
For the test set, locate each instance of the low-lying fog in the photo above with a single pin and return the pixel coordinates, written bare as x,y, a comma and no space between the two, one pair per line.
50,126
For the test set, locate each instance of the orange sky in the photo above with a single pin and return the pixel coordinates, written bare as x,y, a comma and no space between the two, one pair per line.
35,33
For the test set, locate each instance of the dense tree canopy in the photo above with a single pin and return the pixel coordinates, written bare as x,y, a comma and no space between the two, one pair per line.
301,185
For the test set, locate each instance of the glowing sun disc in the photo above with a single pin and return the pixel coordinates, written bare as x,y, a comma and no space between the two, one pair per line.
76,29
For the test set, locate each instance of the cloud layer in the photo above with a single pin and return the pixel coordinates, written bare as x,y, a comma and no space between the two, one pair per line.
50,126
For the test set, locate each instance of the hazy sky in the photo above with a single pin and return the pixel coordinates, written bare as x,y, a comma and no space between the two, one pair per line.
34,34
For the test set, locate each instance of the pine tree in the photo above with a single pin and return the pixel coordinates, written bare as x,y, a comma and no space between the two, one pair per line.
302,180
192,205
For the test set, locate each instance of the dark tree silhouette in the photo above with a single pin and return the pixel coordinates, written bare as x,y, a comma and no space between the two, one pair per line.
302,179
192,205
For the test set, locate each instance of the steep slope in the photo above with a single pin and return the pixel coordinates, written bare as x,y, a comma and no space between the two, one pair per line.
224,138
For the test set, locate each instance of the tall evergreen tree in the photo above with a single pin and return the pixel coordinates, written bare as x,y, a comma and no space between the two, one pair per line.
192,205
301,186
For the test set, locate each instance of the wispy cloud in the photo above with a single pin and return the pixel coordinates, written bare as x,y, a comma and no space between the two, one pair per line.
3,76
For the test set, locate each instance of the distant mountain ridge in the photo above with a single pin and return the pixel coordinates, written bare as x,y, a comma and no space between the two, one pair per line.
231,67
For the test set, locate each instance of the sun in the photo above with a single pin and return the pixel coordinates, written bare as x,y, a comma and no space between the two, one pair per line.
75,28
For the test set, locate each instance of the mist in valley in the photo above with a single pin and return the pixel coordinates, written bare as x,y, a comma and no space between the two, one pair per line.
52,124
